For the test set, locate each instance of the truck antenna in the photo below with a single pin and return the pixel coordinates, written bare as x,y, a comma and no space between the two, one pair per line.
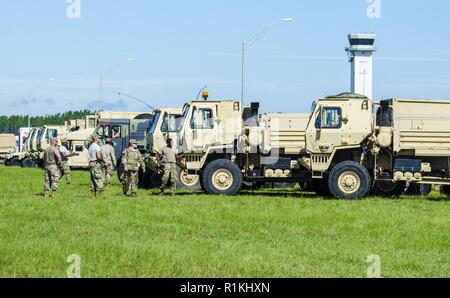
135,98
200,92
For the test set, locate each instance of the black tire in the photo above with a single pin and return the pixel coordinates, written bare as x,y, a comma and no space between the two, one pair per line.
445,190
355,171
195,185
6,163
320,187
389,189
419,189
228,168
15,162
28,163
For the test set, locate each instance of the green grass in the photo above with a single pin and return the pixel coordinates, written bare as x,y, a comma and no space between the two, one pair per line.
271,233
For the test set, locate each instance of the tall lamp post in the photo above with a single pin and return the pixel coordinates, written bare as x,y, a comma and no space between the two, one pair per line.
104,76
248,43
31,91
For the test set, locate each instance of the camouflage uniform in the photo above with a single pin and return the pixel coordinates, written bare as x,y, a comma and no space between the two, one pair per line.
95,168
52,173
109,156
65,168
131,160
170,169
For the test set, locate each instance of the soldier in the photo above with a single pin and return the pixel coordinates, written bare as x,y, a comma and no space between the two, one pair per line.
65,154
95,167
132,160
109,156
52,160
168,160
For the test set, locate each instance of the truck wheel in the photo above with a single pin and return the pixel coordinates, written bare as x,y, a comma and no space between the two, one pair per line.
445,190
320,187
349,180
15,162
28,163
187,181
7,163
222,177
389,189
419,189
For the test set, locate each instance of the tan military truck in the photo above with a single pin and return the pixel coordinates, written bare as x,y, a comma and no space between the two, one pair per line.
342,148
166,124
7,146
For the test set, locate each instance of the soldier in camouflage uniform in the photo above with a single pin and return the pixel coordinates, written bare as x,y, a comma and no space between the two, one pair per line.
95,167
132,160
65,167
109,156
168,160
52,160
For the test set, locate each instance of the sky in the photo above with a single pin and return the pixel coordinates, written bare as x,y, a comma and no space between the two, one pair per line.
52,54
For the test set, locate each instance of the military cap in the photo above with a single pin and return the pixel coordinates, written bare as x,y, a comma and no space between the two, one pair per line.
108,140
133,141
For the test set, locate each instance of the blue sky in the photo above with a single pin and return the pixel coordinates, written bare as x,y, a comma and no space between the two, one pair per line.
180,46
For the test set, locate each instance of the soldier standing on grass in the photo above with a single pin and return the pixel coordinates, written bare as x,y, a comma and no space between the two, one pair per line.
109,156
168,160
132,160
65,154
52,160
95,167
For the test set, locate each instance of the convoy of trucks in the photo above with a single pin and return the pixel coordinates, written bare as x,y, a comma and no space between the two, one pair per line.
347,147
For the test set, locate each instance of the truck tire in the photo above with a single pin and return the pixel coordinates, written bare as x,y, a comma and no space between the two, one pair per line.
445,190
389,189
28,163
15,162
349,180
419,189
7,163
185,181
222,177
320,187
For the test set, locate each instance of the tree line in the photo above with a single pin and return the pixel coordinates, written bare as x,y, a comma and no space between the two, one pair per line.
11,124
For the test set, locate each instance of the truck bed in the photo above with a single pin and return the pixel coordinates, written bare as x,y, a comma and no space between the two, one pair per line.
422,126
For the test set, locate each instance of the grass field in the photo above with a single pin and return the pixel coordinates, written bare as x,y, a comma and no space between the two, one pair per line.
269,233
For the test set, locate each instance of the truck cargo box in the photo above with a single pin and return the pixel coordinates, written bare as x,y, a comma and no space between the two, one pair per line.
285,132
421,127
7,143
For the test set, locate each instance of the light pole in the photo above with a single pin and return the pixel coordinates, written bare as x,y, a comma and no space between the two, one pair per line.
106,75
248,43
30,92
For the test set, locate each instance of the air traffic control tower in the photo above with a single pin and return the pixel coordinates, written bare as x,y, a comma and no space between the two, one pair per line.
360,56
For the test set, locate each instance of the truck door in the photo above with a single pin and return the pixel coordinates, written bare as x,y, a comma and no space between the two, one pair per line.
202,125
327,131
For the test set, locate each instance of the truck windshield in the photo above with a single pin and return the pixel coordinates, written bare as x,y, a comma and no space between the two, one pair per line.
154,123
40,134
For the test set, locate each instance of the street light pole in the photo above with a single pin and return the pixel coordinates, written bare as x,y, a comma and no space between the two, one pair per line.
104,76
247,44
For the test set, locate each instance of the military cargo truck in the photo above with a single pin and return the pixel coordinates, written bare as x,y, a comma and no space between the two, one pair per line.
166,124
344,148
